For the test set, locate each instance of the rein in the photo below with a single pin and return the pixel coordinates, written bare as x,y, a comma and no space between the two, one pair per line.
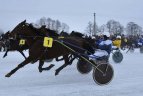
78,54
75,46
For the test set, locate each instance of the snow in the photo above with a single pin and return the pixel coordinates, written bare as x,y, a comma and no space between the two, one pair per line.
127,81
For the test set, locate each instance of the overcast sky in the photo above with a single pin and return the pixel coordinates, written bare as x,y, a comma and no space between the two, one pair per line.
75,13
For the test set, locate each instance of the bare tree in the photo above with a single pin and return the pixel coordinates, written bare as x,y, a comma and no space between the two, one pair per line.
102,28
64,27
42,21
57,25
133,29
89,28
49,21
53,24
114,27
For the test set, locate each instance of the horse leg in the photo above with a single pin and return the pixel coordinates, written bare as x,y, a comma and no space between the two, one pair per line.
22,53
66,59
25,62
57,59
60,68
71,60
41,63
128,49
5,54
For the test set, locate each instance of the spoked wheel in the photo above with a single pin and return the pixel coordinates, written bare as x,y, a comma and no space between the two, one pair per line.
141,49
103,74
117,57
84,67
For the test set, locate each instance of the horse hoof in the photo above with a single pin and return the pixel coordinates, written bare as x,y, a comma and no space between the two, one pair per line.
56,73
40,71
48,68
52,65
8,75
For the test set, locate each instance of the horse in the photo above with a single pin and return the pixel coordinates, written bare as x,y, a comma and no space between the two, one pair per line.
36,43
73,34
52,33
2,45
130,44
12,45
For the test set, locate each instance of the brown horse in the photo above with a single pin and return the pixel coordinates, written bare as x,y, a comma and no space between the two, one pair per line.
60,47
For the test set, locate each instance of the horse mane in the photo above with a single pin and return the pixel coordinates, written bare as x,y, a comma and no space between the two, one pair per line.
64,34
52,32
37,30
76,34
34,28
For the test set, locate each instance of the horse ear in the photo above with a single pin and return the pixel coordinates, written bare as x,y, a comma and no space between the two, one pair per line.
24,21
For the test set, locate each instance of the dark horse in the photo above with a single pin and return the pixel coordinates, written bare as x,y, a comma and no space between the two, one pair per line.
60,47
12,45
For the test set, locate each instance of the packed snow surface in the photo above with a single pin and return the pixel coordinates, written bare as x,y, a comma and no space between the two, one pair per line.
127,81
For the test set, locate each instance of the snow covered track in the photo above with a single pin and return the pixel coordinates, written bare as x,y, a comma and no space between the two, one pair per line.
28,81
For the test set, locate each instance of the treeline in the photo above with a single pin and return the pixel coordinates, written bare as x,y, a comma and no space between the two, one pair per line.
115,28
112,26
49,23
52,24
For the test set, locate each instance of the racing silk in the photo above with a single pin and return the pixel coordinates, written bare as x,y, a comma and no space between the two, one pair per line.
117,43
98,41
106,45
99,53
140,42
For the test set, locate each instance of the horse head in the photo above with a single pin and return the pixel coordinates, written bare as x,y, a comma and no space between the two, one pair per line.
19,29
23,29
90,45
5,36
76,34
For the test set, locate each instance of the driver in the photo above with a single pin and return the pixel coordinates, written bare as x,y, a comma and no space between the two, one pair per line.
104,47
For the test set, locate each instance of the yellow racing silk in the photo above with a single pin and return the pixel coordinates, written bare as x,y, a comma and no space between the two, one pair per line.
117,43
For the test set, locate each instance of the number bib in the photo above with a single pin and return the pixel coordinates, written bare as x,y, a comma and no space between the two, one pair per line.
22,42
48,42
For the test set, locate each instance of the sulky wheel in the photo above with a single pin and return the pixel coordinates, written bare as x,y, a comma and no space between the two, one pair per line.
117,57
83,67
141,49
103,74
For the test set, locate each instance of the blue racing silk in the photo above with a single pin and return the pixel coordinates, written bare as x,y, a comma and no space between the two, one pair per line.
106,45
